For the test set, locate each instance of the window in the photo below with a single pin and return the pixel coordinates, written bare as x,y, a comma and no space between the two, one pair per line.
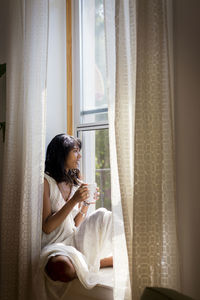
89,94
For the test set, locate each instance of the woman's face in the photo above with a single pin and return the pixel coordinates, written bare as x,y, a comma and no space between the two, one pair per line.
73,158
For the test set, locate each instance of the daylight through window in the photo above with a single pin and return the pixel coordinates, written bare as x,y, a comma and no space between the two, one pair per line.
91,107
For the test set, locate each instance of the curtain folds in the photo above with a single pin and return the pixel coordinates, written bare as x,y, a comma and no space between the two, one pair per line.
140,92
21,199
121,277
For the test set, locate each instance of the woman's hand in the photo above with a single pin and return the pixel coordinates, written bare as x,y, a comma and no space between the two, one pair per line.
81,194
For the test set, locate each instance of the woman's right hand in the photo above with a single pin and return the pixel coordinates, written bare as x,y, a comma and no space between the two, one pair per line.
81,194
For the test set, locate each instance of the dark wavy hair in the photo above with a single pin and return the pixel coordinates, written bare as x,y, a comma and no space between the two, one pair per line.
57,152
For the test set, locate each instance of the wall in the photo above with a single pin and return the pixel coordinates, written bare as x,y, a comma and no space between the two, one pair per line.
3,42
187,121
2,119
3,31
56,118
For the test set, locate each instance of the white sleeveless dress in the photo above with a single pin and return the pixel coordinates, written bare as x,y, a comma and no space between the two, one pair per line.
84,245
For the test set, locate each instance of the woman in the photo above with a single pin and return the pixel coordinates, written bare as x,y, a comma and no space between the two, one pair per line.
73,244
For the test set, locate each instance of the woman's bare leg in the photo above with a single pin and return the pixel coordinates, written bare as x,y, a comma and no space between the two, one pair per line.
60,268
106,262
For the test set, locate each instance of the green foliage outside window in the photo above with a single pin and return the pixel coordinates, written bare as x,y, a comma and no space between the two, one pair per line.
102,162
102,159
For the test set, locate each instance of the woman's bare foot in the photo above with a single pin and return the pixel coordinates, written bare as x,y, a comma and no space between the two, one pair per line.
106,262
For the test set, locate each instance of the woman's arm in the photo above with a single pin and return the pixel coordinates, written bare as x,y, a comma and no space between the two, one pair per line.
51,222
81,215
84,208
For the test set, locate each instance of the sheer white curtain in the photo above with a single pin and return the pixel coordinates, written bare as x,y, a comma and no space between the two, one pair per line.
140,77
21,199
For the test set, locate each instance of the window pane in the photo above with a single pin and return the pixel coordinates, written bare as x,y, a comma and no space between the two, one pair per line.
95,163
94,101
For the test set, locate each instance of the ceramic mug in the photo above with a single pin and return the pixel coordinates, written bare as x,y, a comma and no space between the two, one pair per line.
92,188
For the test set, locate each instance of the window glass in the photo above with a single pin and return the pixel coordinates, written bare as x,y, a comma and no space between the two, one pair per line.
96,163
102,168
94,101
90,106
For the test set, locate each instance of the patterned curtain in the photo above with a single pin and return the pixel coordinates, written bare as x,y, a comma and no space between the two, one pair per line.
140,90
22,189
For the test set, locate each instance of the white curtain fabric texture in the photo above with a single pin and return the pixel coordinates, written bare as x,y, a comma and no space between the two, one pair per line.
21,198
141,144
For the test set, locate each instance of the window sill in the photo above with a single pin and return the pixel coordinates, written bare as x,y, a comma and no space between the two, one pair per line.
102,291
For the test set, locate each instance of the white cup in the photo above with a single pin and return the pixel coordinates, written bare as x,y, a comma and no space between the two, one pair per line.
92,188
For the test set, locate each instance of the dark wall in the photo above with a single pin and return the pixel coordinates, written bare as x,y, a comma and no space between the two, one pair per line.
187,122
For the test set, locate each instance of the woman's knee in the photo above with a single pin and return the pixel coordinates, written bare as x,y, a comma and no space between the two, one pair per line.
103,215
60,268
